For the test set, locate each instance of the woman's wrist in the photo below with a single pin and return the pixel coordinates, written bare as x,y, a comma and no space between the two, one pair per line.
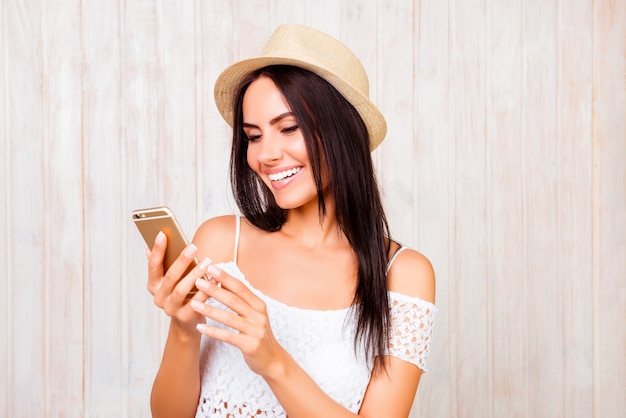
183,333
280,369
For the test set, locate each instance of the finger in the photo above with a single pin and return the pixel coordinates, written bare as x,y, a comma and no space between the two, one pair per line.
243,325
199,295
185,289
175,273
155,261
222,316
226,296
240,316
221,334
236,287
176,301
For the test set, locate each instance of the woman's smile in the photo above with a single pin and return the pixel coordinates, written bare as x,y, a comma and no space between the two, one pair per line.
281,178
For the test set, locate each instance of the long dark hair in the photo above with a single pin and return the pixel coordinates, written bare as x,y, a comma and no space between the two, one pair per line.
337,138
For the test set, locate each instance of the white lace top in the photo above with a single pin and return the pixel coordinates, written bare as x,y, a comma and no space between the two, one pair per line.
321,342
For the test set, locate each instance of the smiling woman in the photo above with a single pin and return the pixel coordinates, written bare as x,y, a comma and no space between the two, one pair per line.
312,266
276,149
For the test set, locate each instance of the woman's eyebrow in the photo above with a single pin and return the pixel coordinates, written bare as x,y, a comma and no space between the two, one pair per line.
278,118
274,121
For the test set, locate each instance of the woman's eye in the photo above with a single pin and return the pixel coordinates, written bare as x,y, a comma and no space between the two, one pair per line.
252,138
290,129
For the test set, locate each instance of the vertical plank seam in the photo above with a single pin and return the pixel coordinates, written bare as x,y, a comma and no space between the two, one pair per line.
454,405
159,38
83,220
489,200
85,290
594,292
557,201
524,192
45,136
415,75
377,71
595,268
197,105
415,140
124,366
7,220
558,117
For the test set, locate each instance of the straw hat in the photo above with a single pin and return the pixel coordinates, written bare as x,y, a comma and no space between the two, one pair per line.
308,48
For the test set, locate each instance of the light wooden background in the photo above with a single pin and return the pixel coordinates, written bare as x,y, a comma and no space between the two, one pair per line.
504,164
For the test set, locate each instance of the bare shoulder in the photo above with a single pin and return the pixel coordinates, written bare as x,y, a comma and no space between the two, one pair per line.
215,238
412,274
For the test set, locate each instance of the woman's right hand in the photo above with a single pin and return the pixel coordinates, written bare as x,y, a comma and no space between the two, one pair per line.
170,290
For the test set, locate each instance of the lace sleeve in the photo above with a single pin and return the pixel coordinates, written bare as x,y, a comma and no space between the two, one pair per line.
411,328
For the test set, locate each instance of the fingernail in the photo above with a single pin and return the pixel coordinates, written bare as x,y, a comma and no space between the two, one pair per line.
196,304
160,238
205,263
147,252
190,251
213,271
202,284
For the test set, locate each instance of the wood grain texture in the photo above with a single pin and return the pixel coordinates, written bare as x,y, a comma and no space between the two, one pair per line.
5,179
28,349
143,182
505,177
503,164
63,206
213,135
470,296
105,356
395,94
545,316
574,187
609,209
433,215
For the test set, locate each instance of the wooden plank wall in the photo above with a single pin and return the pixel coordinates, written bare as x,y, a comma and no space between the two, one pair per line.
504,164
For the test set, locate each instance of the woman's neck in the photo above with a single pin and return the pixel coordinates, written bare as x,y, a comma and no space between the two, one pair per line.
310,230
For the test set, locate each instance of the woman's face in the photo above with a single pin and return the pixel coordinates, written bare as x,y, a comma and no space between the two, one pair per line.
276,148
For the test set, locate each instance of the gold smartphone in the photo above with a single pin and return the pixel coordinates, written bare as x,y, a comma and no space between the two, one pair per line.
152,220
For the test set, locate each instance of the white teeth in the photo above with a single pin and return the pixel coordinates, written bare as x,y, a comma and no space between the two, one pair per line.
284,174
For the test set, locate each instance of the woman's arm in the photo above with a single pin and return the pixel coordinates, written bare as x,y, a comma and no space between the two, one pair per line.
391,393
176,388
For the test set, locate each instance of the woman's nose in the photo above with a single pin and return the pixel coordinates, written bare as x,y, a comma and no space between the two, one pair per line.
270,148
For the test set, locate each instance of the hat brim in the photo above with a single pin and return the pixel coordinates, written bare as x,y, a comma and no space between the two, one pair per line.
230,79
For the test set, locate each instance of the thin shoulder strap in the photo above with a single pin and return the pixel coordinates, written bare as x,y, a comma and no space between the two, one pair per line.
393,257
237,232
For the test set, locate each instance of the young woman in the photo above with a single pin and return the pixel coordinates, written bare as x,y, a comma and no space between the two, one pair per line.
311,310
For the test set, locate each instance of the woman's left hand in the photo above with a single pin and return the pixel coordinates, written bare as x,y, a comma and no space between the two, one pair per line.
250,326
